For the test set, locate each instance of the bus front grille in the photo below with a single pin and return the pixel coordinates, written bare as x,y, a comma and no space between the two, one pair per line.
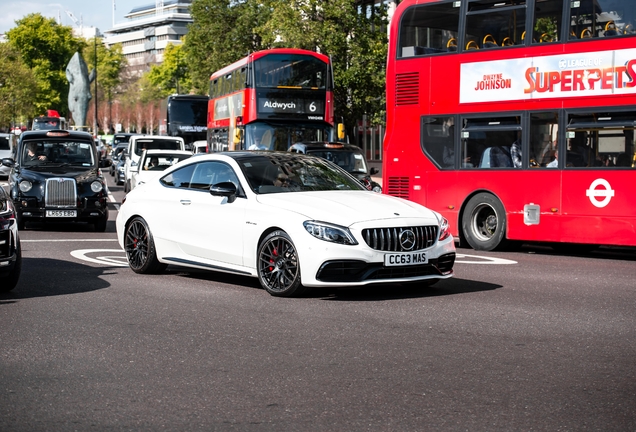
398,187
61,192
388,239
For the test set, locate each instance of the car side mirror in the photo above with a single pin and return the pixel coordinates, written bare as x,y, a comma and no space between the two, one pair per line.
226,189
8,162
374,171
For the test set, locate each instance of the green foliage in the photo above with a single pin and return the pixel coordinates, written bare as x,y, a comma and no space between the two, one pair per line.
17,87
354,37
172,75
110,63
46,48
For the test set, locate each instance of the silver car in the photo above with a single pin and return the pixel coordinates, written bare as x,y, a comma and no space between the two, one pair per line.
7,143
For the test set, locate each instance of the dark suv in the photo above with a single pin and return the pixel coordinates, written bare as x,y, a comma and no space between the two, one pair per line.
346,156
10,255
55,176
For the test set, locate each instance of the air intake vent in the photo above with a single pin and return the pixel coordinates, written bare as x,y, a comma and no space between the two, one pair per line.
399,187
407,88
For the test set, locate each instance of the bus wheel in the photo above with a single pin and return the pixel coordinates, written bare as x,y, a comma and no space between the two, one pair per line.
484,222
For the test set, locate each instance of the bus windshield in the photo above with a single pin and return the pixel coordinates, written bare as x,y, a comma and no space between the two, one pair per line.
272,136
189,112
290,70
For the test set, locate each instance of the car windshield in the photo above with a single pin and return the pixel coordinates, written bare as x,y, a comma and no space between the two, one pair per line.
350,161
275,173
159,162
57,152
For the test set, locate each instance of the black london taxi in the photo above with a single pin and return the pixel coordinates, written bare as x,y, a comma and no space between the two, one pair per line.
55,177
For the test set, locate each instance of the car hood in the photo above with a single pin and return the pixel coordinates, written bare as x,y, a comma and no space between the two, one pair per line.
347,207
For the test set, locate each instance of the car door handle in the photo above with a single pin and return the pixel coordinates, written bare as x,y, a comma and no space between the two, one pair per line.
185,202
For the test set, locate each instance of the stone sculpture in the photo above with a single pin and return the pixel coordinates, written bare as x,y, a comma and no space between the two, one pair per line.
79,93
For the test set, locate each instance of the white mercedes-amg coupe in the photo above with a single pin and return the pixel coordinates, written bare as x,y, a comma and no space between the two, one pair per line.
294,221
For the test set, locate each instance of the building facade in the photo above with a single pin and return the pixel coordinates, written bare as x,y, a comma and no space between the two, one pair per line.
148,31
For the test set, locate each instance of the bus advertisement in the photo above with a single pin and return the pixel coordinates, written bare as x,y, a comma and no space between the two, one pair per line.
184,116
270,100
515,119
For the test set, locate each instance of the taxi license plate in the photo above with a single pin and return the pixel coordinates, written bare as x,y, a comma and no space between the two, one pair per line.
405,259
61,213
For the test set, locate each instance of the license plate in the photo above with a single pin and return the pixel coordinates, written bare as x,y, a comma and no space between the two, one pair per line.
61,213
405,259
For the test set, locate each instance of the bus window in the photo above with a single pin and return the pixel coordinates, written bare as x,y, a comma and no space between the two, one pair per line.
438,140
547,21
487,142
429,29
495,23
600,140
544,128
601,18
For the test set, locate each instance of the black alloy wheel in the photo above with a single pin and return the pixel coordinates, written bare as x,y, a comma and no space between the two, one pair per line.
140,248
278,267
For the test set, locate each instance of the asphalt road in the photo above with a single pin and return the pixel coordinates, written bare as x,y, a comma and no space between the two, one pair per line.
518,341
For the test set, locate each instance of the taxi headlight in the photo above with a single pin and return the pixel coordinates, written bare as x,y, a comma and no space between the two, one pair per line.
25,186
329,232
96,186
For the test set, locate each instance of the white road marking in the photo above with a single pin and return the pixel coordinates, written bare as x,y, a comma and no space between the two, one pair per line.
476,259
66,240
109,260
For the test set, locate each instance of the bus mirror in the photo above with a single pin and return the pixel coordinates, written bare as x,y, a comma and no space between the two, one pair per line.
341,131
238,135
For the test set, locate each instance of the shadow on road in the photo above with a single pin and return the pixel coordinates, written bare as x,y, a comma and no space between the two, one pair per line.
44,277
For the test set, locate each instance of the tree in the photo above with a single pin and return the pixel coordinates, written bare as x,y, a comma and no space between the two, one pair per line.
223,31
172,75
110,64
17,87
46,48
353,36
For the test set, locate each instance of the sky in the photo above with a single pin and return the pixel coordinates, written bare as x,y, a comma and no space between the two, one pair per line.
92,13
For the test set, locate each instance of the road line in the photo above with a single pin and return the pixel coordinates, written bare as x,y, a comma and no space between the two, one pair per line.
65,240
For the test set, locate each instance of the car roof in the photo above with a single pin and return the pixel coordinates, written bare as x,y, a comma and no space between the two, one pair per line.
55,133
172,152
326,145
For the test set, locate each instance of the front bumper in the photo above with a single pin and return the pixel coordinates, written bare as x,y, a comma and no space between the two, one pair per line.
89,209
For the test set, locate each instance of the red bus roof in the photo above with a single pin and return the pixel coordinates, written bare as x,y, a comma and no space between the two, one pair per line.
259,54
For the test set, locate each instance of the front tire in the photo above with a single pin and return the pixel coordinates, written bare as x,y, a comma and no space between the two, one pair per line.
11,280
484,222
140,248
278,267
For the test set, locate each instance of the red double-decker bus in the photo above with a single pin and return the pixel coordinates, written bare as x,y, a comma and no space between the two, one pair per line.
270,100
515,118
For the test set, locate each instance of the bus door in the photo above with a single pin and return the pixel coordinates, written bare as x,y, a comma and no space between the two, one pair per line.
598,179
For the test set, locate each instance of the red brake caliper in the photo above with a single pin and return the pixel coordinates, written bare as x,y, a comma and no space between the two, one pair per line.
271,261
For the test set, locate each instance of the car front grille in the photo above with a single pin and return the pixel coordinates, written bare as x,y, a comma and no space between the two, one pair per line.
388,239
61,192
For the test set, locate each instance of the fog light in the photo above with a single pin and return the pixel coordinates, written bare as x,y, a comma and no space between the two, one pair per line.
98,204
23,203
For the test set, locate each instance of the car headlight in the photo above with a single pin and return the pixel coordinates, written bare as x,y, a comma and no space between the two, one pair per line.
25,186
444,231
329,232
6,208
96,186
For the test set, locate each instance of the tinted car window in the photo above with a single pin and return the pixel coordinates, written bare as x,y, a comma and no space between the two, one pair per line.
57,152
179,178
4,143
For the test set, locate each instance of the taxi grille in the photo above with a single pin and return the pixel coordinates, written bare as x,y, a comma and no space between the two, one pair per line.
388,239
61,192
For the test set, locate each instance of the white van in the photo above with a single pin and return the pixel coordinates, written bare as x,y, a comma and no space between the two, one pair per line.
138,143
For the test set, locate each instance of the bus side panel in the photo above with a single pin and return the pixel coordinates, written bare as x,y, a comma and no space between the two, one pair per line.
600,205
443,199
